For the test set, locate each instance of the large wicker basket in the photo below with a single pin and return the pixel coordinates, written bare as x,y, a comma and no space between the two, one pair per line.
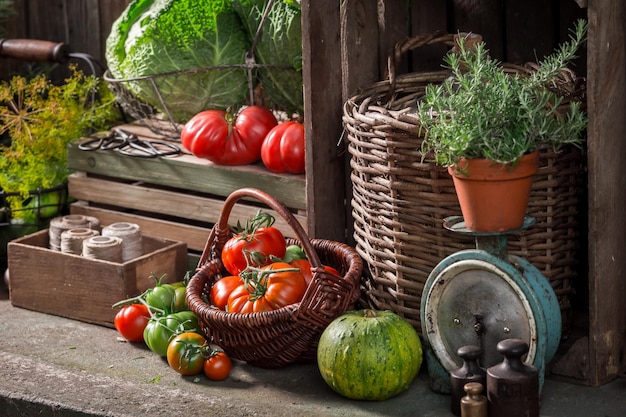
399,202
289,334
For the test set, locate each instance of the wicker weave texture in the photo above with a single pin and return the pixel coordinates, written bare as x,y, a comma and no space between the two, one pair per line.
399,202
290,334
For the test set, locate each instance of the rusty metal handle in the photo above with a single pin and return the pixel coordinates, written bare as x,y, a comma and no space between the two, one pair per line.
35,50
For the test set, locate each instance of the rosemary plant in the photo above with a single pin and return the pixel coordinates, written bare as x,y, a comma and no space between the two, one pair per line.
481,111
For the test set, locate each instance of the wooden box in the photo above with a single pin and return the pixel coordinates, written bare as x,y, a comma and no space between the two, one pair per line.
85,289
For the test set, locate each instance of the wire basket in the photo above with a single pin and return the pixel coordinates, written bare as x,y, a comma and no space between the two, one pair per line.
37,210
160,114
163,104
289,334
399,202
159,107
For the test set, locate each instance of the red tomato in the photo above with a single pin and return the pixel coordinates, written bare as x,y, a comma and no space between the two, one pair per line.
222,289
283,148
255,246
131,321
269,290
305,269
217,366
211,135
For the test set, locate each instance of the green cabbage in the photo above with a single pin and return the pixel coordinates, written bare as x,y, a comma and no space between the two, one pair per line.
279,50
166,37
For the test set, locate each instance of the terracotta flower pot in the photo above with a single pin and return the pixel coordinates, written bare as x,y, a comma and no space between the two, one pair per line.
494,197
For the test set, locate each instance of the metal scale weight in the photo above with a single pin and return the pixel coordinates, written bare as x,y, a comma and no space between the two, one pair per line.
482,296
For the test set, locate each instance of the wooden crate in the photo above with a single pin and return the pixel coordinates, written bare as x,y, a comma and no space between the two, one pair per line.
178,198
187,173
84,289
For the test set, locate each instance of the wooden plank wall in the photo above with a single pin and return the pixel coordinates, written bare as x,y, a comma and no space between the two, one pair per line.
514,31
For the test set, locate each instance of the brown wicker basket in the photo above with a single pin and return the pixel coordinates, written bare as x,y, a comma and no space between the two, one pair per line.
289,334
399,202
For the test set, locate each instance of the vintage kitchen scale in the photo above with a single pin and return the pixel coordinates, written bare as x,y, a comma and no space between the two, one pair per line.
482,296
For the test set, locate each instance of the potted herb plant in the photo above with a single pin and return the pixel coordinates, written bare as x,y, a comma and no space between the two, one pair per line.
486,123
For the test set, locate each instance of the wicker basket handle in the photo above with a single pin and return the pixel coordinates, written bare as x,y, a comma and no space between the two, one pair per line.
220,233
421,40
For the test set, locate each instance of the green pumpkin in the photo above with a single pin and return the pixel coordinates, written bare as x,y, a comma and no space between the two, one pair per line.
369,354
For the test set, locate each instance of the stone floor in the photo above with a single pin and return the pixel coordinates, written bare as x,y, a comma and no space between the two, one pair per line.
53,366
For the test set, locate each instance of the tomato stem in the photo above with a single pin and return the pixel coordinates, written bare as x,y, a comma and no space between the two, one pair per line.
253,258
210,351
141,298
261,219
157,280
133,300
256,280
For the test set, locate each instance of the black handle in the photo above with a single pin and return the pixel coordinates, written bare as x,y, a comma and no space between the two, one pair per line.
35,50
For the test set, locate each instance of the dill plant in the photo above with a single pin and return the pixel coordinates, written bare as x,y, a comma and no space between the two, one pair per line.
38,119
482,111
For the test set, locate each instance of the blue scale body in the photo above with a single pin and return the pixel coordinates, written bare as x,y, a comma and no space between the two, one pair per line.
481,296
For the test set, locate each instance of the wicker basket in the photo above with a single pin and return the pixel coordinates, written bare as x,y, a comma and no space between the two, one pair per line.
399,202
289,334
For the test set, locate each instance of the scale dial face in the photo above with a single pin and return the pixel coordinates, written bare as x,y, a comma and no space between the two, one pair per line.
475,302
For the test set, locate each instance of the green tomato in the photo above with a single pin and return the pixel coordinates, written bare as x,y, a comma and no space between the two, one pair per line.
293,252
49,204
160,330
157,335
46,205
186,320
186,353
180,303
162,298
